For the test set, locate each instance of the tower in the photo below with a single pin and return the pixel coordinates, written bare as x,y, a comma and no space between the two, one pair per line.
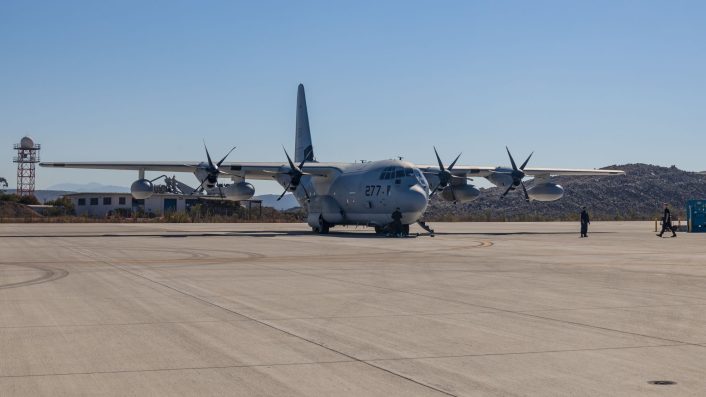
27,157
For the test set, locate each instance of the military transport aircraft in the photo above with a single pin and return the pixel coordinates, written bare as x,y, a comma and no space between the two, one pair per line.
364,193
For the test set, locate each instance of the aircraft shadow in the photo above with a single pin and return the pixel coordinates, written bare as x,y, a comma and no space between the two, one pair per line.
243,233
259,233
511,233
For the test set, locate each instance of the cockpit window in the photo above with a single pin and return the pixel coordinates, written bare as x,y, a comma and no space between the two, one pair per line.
396,173
420,177
388,173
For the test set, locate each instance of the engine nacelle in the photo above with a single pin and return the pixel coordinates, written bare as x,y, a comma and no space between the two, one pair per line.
500,179
239,191
545,192
141,189
462,193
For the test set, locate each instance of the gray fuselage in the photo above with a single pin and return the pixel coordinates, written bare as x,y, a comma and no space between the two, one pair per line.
364,193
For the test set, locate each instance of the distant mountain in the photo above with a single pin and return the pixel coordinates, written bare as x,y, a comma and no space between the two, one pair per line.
92,187
45,195
270,200
636,196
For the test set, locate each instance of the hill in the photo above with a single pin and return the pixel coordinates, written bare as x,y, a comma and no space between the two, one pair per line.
91,187
45,195
270,200
15,210
636,196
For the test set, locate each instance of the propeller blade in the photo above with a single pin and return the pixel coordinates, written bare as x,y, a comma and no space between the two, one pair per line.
433,192
289,159
310,174
224,157
524,189
438,159
221,191
514,166
208,156
200,186
522,167
453,194
284,192
306,193
507,191
306,156
454,162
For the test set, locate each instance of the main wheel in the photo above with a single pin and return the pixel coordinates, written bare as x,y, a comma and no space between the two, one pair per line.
323,226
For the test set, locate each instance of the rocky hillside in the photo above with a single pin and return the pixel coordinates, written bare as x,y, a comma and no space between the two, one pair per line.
636,196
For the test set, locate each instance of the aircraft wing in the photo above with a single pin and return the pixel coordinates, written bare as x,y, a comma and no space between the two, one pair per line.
163,166
570,172
484,171
256,170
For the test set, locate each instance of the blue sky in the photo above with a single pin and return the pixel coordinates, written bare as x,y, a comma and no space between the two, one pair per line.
583,84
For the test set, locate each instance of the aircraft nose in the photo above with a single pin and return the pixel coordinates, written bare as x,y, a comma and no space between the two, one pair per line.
414,203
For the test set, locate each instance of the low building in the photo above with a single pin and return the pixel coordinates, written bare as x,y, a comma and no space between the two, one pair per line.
101,205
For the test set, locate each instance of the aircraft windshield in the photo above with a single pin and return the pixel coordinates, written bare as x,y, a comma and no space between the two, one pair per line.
399,172
422,180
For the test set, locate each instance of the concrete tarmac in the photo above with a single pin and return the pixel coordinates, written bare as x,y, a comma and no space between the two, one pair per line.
482,309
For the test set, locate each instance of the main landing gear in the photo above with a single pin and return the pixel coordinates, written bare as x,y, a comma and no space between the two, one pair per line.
322,228
389,231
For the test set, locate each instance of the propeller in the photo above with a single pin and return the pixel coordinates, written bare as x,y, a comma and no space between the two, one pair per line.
445,176
517,175
295,175
212,171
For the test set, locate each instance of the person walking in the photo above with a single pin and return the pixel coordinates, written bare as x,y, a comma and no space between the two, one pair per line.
667,222
585,221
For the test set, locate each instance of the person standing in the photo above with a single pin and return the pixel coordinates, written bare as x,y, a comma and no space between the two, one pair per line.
397,222
667,222
585,221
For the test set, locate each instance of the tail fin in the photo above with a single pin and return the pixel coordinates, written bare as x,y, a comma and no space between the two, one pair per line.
303,148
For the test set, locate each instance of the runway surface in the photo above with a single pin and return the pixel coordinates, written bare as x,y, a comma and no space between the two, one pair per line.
482,309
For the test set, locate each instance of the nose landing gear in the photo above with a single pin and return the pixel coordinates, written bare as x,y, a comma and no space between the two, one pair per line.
426,227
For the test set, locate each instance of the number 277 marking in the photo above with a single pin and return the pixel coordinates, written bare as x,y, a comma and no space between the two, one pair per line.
372,190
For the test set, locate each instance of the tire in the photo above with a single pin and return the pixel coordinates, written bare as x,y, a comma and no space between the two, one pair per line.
323,226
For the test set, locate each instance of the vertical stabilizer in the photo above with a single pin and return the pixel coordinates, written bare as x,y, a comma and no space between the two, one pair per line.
303,148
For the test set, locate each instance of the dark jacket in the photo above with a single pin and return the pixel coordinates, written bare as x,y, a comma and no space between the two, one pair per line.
667,217
584,217
397,216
